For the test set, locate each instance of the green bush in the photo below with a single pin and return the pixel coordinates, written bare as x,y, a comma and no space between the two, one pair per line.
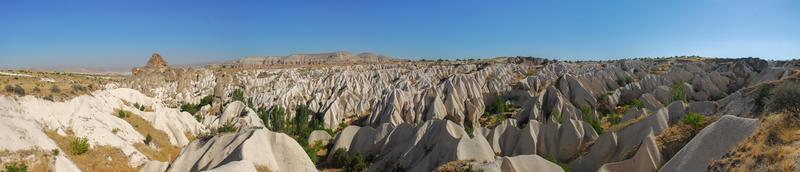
628,79
694,119
238,95
556,114
122,114
55,152
614,118
227,127
194,108
468,128
563,166
79,145
785,98
497,106
148,139
678,92
587,116
16,167
763,95
350,162
637,103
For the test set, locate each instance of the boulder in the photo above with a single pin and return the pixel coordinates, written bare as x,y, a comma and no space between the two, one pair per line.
155,166
711,143
633,113
577,92
650,102
703,107
523,163
646,159
600,151
570,136
259,147
527,140
676,111
663,95
503,138
238,166
319,135
427,145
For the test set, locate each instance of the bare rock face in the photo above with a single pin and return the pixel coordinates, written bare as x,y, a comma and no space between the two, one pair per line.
711,143
246,149
527,163
156,61
647,158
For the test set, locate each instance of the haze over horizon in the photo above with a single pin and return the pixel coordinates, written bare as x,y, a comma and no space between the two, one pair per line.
124,34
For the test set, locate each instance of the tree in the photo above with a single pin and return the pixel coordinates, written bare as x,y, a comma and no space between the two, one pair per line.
785,98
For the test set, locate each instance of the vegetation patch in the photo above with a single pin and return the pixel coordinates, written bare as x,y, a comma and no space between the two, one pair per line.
156,145
98,158
785,98
349,162
678,92
194,108
773,147
678,135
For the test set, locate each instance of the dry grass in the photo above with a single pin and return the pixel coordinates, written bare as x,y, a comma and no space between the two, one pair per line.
624,124
678,135
164,151
99,158
40,161
774,146
454,166
38,87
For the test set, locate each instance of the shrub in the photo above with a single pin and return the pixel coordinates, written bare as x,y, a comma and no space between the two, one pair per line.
9,88
238,94
556,114
194,108
115,130
55,89
628,79
587,116
785,98
16,167
637,103
227,127
122,114
79,145
563,166
694,119
16,89
468,128
148,139
763,95
55,152
79,88
614,118
348,161
497,106
678,92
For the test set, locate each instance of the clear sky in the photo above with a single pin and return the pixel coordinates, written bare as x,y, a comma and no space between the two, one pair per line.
124,33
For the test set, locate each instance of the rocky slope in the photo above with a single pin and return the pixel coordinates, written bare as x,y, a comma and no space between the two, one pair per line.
502,114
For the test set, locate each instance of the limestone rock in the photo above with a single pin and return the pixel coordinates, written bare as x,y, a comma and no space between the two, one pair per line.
711,143
261,147
527,163
647,158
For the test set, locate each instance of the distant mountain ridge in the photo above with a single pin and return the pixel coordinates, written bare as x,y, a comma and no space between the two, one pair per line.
339,57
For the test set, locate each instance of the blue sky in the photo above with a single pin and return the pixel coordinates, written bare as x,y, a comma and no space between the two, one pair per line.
124,33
